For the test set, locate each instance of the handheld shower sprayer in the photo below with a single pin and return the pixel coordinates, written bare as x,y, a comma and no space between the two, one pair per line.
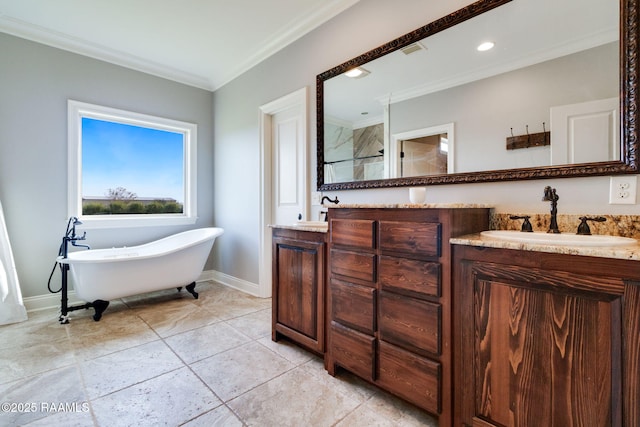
71,236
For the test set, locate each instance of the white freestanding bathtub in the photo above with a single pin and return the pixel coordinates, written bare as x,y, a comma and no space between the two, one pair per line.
174,261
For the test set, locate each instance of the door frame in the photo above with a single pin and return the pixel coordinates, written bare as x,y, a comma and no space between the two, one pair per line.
394,145
299,99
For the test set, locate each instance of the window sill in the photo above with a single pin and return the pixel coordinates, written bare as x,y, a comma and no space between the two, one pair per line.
127,221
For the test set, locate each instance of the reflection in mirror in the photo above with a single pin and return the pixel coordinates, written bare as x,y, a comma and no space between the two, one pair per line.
563,79
359,154
428,151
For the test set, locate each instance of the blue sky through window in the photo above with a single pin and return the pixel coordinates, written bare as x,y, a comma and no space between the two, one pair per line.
145,161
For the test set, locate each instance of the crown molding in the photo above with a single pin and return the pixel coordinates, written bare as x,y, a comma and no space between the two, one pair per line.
298,29
39,34
36,33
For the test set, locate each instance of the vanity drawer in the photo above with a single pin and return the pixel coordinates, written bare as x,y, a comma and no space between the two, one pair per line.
353,350
410,323
410,276
353,264
353,305
353,232
423,238
411,377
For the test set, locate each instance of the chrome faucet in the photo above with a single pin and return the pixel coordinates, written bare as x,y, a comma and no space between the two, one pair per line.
551,196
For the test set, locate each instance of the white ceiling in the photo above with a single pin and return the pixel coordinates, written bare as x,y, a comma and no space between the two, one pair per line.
203,43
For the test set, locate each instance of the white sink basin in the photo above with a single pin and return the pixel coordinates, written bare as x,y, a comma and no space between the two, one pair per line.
314,224
562,239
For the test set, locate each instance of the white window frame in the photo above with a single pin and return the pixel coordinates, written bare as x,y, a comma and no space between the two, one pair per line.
76,111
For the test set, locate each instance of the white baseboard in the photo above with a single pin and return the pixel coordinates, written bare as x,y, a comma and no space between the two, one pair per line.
47,301
234,282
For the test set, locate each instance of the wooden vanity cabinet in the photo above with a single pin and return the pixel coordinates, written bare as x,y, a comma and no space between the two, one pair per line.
298,269
389,299
545,339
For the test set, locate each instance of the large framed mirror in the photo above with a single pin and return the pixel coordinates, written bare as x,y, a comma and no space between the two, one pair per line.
556,96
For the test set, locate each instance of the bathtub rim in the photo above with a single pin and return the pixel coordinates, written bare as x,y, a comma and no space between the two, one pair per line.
73,257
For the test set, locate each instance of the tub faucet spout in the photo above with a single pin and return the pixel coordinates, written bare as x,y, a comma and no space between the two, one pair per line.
70,236
551,196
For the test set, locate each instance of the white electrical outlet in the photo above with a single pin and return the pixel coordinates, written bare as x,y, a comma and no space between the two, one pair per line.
623,190
315,198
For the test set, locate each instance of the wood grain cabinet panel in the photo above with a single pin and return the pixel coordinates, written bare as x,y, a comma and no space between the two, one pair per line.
353,232
298,288
353,350
390,302
414,378
409,276
543,357
410,323
411,237
354,306
542,340
354,265
297,291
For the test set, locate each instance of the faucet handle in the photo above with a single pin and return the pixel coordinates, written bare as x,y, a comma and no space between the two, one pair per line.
526,225
583,228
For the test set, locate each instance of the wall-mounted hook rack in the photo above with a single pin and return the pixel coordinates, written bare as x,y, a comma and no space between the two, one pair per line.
529,140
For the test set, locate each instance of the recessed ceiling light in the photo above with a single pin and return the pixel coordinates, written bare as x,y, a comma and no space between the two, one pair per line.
483,47
356,72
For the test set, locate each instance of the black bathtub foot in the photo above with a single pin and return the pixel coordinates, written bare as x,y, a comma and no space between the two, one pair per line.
99,306
192,289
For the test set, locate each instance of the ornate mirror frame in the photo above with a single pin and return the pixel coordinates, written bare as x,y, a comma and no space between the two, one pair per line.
629,76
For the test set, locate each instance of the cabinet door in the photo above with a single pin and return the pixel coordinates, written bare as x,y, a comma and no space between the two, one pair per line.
543,358
545,347
297,298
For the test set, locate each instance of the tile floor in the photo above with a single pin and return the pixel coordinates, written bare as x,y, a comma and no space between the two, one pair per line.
168,359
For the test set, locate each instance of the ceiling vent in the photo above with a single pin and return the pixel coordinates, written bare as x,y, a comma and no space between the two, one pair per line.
413,47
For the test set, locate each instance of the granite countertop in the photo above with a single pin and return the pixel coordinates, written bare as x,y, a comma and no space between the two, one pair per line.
408,206
615,225
313,228
319,229
618,252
